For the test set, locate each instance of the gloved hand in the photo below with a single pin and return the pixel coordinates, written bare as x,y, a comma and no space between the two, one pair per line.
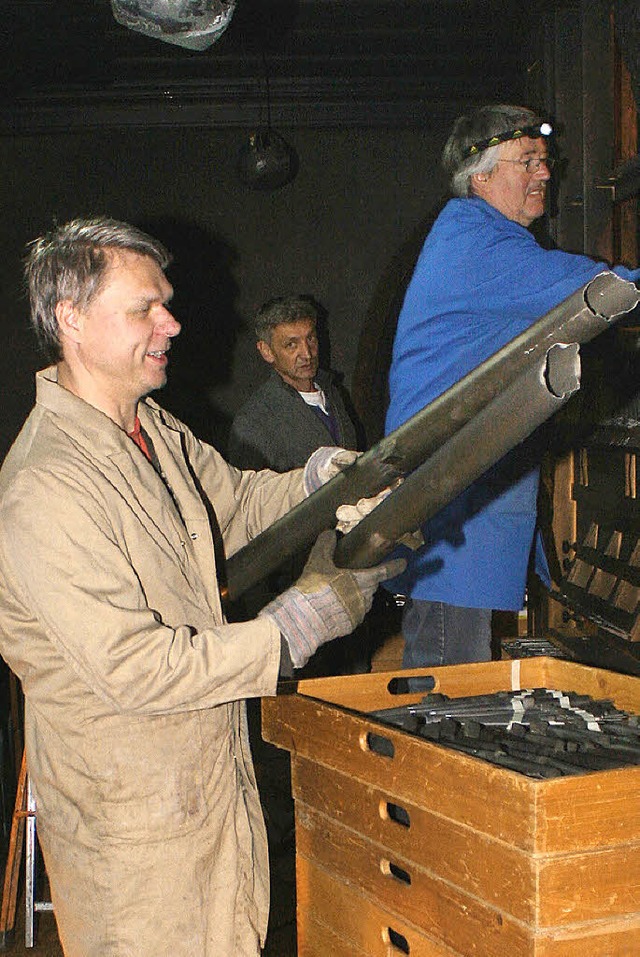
326,602
324,463
348,516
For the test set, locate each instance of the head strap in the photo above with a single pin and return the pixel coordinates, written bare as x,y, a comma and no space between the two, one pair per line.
539,129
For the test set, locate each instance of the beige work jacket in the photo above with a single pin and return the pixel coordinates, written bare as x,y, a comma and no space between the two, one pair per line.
110,614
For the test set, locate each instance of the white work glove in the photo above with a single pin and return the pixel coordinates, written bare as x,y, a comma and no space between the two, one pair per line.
348,516
326,602
323,464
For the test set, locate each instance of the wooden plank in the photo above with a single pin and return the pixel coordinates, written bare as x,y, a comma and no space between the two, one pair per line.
540,891
587,887
620,938
14,859
318,940
336,920
565,41
598,125
374,691
493,871
388,657
456,921
565,531
588,811
626,121
437,908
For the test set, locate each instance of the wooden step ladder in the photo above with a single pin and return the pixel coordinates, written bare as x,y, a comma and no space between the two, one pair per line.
23,832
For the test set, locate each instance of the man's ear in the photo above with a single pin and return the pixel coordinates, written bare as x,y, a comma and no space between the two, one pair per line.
478,184
69,319
265,351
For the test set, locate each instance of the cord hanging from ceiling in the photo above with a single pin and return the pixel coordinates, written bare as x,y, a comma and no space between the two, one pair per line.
267,162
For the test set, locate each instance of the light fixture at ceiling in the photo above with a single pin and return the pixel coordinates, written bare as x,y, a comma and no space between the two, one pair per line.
194,24
266,161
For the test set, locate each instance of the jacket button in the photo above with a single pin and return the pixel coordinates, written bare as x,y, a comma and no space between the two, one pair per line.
194,536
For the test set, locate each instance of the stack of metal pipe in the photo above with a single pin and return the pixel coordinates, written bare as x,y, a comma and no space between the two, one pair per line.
541,732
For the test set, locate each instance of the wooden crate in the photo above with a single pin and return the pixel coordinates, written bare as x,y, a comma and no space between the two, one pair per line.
407,847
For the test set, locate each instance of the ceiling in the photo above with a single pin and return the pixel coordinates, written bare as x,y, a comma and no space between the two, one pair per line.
68,63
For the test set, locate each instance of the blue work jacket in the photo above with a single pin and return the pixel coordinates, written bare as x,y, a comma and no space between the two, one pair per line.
480,280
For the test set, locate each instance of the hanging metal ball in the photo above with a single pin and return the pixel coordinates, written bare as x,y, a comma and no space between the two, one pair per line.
267,162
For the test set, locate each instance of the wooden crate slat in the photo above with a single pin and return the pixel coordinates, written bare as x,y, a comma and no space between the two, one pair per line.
596,810
588,887
437,908
356,924
503,875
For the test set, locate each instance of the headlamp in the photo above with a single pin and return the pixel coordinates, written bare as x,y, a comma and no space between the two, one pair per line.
534,132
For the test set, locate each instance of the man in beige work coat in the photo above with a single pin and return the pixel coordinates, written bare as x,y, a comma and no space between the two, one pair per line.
148,813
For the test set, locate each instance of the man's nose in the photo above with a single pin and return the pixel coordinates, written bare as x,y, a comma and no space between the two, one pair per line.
543,172
167,323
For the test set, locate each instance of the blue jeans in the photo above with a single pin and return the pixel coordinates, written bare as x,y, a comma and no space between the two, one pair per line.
439,634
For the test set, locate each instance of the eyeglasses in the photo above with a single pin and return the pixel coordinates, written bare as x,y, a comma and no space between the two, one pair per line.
533,164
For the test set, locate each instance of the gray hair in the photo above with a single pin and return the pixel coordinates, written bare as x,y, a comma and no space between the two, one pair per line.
70,262
486,122
284,309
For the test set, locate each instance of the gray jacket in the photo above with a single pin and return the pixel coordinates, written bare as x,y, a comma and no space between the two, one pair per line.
276,428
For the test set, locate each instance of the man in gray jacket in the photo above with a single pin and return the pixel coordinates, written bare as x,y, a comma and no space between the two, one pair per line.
112,519
299,407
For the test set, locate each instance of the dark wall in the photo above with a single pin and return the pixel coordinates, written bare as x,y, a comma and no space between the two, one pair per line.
334,232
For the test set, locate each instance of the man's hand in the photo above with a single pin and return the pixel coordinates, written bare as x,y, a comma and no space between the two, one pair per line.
324,463
326,602
348,516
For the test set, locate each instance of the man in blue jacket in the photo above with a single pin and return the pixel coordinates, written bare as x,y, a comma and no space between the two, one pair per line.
480,280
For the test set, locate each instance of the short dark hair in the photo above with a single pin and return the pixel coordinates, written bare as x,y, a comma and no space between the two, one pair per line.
69,262
480,126
284,309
